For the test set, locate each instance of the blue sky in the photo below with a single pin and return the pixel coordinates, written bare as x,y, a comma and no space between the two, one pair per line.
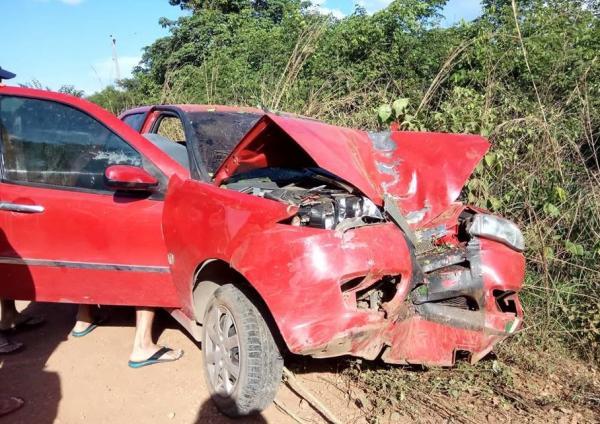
68,41
455,9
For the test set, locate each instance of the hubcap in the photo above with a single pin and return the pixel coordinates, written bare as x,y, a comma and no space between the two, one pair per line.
222,350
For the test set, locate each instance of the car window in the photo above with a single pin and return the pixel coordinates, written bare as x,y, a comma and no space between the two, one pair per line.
46,142
217,133
135,121
171,128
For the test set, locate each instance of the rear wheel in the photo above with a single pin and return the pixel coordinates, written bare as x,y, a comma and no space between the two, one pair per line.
242,362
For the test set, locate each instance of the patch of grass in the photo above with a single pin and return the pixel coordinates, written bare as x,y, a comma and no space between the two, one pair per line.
521,382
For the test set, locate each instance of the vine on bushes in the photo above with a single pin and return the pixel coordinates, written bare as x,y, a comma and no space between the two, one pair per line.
525,74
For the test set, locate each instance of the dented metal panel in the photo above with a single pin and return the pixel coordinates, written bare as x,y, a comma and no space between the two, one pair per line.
406,286
424,172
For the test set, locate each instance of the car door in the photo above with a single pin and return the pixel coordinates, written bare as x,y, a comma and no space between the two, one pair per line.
64,237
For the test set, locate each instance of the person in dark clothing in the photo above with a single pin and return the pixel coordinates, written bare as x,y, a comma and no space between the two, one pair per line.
8,404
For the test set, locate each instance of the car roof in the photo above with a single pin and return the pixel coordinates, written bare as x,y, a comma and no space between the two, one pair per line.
200,108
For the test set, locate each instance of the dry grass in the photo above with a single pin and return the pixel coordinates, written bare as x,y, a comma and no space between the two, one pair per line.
519,385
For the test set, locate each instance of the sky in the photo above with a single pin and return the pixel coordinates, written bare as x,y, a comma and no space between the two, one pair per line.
68,42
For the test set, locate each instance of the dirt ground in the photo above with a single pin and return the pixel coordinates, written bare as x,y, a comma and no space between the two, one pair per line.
67,380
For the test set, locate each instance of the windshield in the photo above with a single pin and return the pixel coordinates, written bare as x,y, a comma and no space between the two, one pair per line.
217,133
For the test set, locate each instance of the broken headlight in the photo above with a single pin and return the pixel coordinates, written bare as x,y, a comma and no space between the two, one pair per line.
329,212
498,229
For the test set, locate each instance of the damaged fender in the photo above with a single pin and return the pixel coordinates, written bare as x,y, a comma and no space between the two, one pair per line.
301,284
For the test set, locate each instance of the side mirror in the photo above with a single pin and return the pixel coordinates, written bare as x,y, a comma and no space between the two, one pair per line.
129,178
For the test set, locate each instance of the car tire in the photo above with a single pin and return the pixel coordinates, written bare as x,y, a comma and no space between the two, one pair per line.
237,340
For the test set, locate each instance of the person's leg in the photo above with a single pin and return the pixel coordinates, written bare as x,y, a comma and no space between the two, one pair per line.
143,346
8,313
84,318
10,318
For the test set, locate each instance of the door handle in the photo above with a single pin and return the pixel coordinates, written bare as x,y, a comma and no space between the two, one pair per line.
16,207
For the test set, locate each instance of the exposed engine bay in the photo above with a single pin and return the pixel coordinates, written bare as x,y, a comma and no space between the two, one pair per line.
322,199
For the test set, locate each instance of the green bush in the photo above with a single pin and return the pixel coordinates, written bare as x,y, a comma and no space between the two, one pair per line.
532,88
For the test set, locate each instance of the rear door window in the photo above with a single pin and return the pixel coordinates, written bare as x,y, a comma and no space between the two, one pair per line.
171,127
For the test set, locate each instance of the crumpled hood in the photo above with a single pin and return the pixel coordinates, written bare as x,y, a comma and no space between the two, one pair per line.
424,172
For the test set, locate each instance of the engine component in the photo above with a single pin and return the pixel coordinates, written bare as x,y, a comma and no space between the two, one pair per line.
322,201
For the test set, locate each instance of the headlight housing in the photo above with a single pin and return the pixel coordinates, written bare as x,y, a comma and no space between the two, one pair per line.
498,229
329,211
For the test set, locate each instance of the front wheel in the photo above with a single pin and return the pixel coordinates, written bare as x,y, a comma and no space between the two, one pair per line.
242,362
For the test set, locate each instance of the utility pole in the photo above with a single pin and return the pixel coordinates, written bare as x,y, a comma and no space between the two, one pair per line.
115,58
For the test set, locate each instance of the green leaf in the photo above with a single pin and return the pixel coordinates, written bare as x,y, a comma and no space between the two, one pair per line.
551,210
570,247
384,113
561,194
474,184
574,249
490,159
399,106
549,252
495,203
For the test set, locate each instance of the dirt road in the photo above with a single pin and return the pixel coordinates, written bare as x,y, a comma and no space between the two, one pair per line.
70,381
67,380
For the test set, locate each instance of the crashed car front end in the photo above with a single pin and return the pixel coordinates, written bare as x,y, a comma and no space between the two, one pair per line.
466,301
372,255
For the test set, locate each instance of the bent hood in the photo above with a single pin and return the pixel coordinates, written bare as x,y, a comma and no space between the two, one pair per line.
424,172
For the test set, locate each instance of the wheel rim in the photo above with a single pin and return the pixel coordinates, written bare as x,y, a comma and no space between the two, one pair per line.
222,350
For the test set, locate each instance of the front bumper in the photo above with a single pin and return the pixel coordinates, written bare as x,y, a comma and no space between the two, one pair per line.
468,304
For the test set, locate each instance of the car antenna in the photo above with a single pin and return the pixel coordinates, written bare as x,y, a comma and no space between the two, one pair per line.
115,58
6,75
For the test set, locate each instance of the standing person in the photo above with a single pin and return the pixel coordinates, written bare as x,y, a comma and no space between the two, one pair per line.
8,404
145,351
10,318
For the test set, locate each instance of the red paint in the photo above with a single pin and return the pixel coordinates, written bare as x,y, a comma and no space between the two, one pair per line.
424,171
129,178
297,271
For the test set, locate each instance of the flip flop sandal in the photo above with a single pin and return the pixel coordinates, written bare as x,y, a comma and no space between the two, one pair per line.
25,322
89,328
10,404
156,358
10,347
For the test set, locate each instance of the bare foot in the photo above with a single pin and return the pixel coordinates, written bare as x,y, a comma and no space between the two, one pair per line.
143,353
85,318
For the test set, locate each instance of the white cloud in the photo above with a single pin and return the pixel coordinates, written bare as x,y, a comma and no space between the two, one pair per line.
104,71
318,5
372,6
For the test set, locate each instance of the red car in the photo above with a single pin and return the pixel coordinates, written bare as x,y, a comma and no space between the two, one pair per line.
261,233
